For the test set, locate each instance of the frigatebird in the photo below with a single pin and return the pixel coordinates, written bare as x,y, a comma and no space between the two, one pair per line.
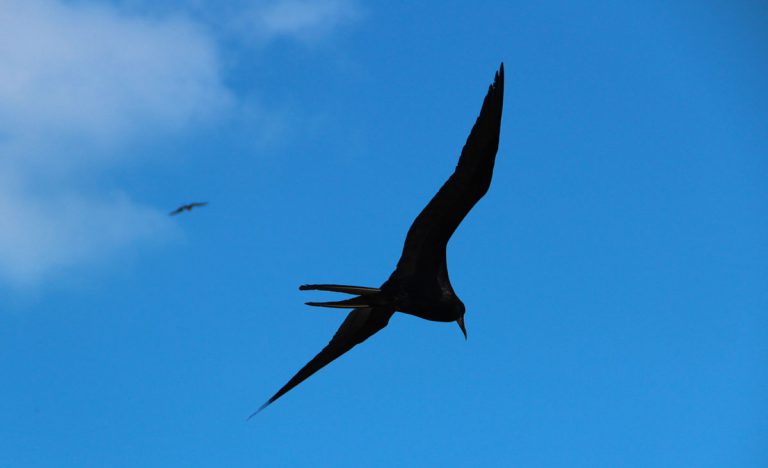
419,285
187,207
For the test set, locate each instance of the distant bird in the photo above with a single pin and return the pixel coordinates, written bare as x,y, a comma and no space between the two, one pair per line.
187,207
419,285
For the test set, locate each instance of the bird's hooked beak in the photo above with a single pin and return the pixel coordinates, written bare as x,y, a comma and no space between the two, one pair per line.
460,321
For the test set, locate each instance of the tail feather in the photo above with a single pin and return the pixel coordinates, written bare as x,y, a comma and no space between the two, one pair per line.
354,303
361,290
365,297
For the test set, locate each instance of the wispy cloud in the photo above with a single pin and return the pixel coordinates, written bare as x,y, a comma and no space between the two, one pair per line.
301,19
81,81
76,83
262,21
86,71
48,235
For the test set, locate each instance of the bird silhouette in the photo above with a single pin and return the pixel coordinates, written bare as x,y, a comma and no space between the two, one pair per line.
187,207
419,285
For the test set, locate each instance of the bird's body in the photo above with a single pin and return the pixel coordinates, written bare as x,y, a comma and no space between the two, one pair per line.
420,284
430,298
187,207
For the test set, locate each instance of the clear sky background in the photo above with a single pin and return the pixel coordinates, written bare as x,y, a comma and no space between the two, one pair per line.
615,275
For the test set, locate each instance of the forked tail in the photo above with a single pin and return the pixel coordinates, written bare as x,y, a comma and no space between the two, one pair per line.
367,297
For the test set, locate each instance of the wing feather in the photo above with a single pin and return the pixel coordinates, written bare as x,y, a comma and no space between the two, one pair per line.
428,236
359,325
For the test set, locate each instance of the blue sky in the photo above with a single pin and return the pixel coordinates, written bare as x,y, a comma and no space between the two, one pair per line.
615,275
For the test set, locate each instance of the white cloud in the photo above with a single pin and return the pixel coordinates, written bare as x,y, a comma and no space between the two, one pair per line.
82,80
306,20
49,235
77,81
261,21
86,71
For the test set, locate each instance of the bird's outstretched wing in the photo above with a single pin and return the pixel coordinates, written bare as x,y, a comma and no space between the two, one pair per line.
186,207
359,325
425,244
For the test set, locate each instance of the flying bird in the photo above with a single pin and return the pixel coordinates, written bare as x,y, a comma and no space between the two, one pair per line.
187,207
419,285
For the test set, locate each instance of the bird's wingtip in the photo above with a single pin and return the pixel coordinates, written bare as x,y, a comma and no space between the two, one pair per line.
261,408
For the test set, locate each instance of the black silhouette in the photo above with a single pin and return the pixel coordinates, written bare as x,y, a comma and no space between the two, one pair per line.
187,207
419,285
